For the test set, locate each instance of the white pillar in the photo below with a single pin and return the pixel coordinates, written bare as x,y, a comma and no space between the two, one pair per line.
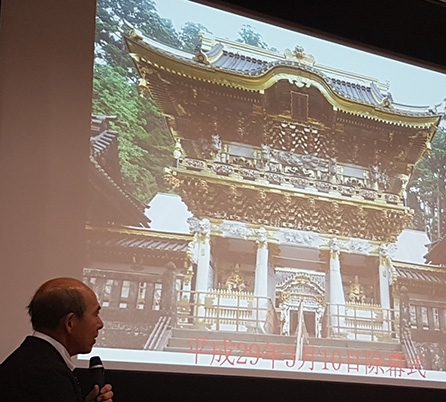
385,280
203,255
191,258
384,286
261,277
261,274
336,295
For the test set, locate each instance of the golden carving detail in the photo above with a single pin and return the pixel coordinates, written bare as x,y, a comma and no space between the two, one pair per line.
235,281
259,207
356,293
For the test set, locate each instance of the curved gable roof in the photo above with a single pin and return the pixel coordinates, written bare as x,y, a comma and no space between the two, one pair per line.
256,69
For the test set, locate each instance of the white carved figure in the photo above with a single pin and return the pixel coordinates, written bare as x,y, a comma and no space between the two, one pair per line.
178,151
265,156
191,252
262,235
193,224
204,226
216,143
374,176
333,170
335,246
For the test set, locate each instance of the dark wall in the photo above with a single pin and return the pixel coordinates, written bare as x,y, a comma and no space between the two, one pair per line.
410,30
162,387
45,88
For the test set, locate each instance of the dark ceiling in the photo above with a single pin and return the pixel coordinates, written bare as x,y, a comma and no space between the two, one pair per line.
411,30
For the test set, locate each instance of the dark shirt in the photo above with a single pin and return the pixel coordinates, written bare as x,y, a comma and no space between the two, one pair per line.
36,372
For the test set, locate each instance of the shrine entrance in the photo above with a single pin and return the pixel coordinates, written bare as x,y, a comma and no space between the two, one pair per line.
309,320
301,287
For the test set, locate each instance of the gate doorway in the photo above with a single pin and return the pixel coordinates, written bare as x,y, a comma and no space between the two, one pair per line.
309,319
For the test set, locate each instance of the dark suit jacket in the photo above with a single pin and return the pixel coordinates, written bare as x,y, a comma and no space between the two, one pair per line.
36,372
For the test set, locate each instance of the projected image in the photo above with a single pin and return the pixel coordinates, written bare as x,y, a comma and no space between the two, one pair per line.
264,200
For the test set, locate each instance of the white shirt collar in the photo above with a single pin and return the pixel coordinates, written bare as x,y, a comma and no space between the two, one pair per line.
60,348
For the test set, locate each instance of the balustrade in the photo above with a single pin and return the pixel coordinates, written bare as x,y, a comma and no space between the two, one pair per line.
366,322
305,172
224,310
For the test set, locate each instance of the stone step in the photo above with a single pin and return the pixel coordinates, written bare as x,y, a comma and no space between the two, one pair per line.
355,344
283,339
248,353
238,336
233,343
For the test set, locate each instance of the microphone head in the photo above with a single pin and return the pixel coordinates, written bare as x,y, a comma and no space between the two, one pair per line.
97,371
96,362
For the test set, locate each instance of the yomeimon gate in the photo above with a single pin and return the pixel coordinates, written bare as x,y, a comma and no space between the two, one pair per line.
296,177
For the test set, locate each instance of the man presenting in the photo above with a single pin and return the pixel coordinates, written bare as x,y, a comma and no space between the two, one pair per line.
65,317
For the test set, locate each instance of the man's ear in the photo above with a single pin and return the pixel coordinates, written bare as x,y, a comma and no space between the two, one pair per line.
68,322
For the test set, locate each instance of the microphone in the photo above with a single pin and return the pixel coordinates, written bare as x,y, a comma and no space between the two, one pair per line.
97,371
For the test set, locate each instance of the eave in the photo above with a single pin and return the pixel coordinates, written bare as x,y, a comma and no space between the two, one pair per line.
137,243
150,60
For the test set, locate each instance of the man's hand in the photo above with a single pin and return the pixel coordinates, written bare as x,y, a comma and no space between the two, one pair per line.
103,395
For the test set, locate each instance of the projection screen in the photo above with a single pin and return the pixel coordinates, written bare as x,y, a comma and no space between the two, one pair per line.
263,202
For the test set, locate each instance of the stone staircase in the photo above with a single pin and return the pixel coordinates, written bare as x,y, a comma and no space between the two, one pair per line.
333,351
330,351
234,343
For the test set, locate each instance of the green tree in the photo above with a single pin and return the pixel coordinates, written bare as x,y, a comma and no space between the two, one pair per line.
427,188
145,145
142,14
190,35
249,36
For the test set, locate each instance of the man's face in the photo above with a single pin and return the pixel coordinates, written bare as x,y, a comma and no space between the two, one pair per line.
86,329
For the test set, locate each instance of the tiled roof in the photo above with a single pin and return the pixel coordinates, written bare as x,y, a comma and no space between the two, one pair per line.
100,125
101,142
107,180
365,94
250,61
127,208
142,241
240,63
433,277
437,252
152,244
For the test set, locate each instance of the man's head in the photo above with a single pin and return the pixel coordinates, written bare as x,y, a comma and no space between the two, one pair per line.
67,310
